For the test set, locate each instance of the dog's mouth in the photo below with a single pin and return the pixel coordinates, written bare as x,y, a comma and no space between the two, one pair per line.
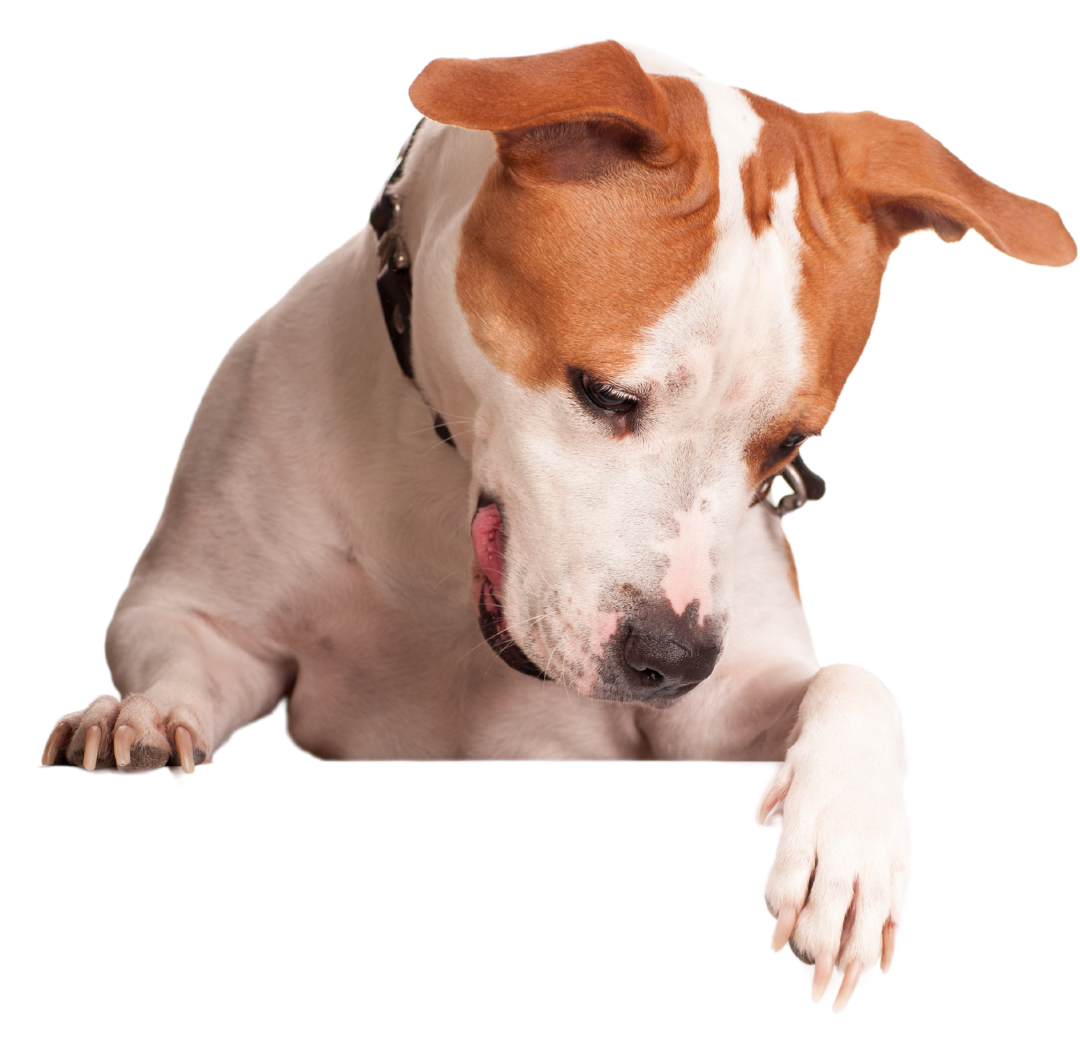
488,539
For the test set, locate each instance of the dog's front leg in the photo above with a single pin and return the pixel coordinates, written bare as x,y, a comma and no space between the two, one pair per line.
185,686
838,881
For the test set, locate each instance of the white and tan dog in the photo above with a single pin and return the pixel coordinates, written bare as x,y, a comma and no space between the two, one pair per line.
614,299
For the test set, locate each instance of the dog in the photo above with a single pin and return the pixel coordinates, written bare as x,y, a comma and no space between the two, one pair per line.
493,480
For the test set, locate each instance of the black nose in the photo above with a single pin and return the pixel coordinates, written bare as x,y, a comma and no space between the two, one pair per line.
663,655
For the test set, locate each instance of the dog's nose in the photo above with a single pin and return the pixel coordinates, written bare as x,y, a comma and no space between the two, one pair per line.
664,656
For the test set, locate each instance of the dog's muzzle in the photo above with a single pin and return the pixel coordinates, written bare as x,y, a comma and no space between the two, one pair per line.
654,656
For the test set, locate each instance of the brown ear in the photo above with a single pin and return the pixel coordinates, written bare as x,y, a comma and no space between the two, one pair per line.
560,115
912,182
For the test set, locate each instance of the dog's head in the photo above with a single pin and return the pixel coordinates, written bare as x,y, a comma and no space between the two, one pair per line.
667,283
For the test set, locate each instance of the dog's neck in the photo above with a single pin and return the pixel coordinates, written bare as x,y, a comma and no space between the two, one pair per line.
394,282
433,185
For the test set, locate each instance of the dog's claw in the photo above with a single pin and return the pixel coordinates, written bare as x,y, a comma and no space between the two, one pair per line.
185,749
782,929
891,945
90,749
853,980
819,982
123,738
57,739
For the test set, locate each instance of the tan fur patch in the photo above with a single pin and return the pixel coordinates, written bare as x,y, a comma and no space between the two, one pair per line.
598,214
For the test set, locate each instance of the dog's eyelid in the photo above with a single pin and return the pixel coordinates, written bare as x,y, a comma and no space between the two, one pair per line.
605,395
798,436
607,390
607,384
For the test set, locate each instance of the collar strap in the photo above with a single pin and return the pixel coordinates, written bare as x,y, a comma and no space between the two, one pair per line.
805,485
394,282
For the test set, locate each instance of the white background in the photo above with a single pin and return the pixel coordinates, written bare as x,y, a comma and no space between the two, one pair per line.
891,75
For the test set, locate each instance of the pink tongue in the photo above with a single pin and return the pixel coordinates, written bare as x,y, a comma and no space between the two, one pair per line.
487,541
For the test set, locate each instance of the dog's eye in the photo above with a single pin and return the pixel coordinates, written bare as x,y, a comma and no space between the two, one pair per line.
792,441
606,397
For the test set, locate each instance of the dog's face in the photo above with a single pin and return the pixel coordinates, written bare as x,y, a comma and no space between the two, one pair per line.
668,282
649,376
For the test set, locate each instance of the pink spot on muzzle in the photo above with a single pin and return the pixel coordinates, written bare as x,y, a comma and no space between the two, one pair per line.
690,566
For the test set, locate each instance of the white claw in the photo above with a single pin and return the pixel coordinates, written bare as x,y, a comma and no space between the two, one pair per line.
888,945
186,751
123,738
847,986
90,751
57,739
785,923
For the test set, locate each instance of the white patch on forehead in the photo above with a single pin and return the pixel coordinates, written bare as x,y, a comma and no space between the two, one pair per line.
782,216
737,329
735,129
690,566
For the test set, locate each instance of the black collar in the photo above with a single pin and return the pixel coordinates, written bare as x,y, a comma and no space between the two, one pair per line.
394,282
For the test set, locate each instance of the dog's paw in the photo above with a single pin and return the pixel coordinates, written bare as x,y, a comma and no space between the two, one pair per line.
841,866
133,735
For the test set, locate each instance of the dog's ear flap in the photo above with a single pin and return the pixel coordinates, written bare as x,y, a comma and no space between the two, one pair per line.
910,181
563,116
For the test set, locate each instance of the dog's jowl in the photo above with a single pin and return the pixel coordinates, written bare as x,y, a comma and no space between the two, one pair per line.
527,421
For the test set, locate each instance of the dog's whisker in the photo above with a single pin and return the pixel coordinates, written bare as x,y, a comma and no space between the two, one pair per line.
469,652
561,681
551,656
492,644
526,622
455,572
503,640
